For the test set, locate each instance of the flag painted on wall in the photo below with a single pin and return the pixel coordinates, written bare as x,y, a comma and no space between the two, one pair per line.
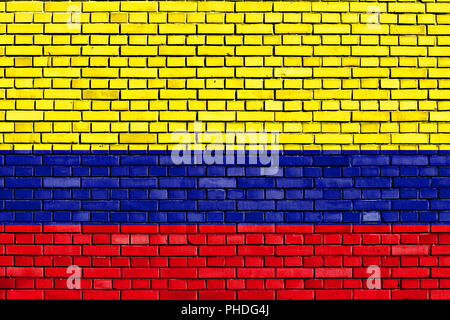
224,150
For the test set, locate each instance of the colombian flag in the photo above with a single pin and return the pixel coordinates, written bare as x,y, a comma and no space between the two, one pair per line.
225,150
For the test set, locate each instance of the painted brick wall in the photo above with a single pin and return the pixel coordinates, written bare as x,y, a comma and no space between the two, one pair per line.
91,93
225,262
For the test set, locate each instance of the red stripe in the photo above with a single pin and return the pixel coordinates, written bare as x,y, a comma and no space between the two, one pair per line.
225,262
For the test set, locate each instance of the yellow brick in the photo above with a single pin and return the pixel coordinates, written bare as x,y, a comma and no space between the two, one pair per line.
409,138
100,6
293,51
137,138
372,138
215,28
370,51
178,6
330,138
100,28
293,116
370,116
216,94
24,93
62,116
293,72
24,73
332,72
253,6
254,29
217,116
25,28
331,28
23,51
255,116
409,94
100,50
138,28
409,116
292,6
332,116
24,6
293,28
370,94
439,94
177,29
60,138
30,115
177,116
145,6
22,137
407,29
99,138
138,51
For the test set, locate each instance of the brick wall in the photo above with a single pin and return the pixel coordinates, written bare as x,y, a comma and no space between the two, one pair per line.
225,262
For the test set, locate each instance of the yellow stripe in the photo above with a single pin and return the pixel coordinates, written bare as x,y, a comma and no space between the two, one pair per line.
128,74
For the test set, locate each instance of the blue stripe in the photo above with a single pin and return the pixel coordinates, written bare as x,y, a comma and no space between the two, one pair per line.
330,187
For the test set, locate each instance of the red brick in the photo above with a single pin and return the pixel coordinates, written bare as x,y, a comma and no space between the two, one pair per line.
33,250
294,273
332,250
24,272
217,250
372,294
383,228
302,250
145,229
216,228
25,294
410,294
101,250
101,295
188,273
256,250
406,228
255,272
139,294
217,295
439,294
249,228
104,228
333,272
178,295
280,228
139,250
333,228
70,228
177,228
410,250
410,272
140,273
23,228
216,273
62,250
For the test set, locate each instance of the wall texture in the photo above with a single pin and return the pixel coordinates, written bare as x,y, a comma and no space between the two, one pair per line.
92,92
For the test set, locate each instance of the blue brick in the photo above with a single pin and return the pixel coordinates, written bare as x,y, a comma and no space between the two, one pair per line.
370,172
43,216
312,217
215,217
334,183
444,172
256,182
176,217
254,216
298,160
23,182
428,171
372,182
327,205
370,160
412,182
274,194
175,182
409,160
139,205
428,193
196,194
332,172
332,217
138,160
442,182
351,217
253,194
157,172
6,194
24,171
195,217
293,217
390,216
294,205
99,217
61,182
179,171
216,171
294,193
158,194
293,172
177,194
409,216
6,172
235,171
43,171
274,217
100,182
120,171
211,205
61,160
390,171
371,217
138,183
444,193
136,217
294,182
62,205
138,194
23,194
256,205
444,216
351,172
331,161
440,204
332,194
138,171
236,194
41,194
235,217
313,194
177,205
23,217
100,172
157,217
61,171
61,194
196,171
351,194
100,160
312,172
428,216
371,205
77,194
98,205
18,160
118,217
409,204
217,183
409,193
409,171
26,205
216,194
440,160
81,171
390,194
100,194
